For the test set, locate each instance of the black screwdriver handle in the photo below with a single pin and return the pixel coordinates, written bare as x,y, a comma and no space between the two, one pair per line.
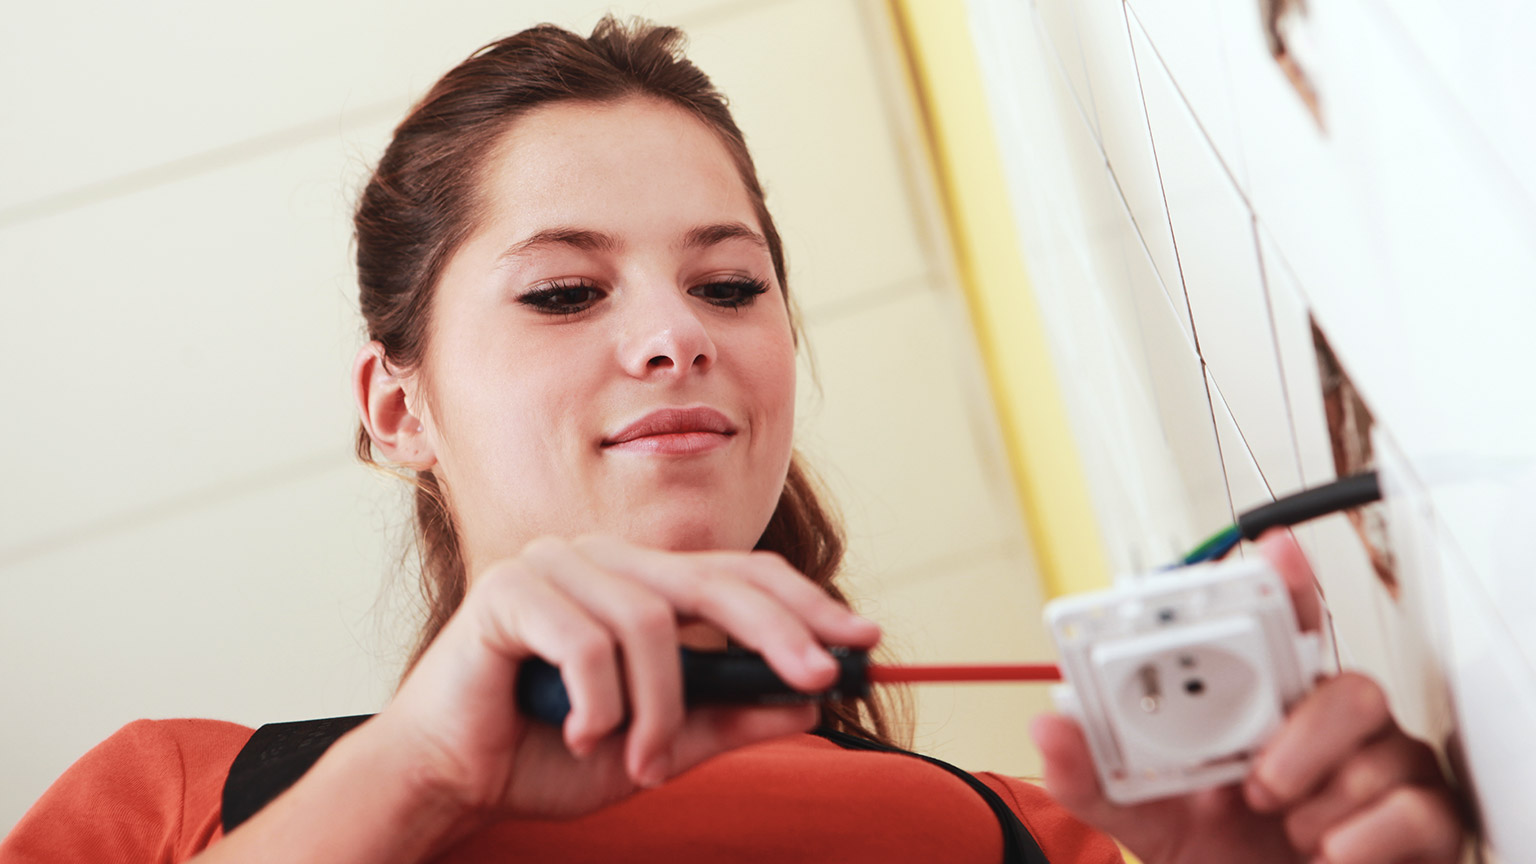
730,677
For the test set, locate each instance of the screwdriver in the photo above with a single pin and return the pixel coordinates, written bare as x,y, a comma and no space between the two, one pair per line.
739,677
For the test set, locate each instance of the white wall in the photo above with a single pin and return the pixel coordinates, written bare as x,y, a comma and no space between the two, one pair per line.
183,531
1184,215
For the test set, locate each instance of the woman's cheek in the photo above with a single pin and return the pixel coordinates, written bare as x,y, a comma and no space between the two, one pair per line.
775,385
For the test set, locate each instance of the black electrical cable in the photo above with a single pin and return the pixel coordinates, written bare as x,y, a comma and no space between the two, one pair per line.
1354,491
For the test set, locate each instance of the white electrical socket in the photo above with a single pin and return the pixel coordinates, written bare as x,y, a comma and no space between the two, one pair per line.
1180,676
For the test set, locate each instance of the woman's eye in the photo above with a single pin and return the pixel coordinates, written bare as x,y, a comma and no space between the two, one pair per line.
729,292
562,299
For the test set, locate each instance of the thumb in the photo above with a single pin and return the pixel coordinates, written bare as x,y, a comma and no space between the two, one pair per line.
1069,772
1071,780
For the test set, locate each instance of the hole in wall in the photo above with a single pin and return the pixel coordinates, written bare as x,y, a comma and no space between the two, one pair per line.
1283,22
1349,434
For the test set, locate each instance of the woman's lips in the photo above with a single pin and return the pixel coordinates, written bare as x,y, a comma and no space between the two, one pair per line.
674,443
674,431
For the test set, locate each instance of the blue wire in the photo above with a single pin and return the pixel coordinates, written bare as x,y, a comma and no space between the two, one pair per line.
1229,540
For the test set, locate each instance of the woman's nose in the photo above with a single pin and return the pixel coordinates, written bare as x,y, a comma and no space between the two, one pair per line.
665,337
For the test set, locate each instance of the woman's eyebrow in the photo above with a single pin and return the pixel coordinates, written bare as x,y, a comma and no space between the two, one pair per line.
709,235
588,240
575,238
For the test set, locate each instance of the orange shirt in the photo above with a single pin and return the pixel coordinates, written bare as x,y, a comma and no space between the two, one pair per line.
151,793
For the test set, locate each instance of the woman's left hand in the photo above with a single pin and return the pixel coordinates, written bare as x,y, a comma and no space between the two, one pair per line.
1340,782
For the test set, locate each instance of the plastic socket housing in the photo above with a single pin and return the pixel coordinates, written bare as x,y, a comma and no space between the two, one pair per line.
1179,677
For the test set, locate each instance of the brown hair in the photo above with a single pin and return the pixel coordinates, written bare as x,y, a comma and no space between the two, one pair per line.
421,204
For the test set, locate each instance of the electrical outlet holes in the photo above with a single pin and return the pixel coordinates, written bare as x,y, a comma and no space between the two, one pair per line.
1192,686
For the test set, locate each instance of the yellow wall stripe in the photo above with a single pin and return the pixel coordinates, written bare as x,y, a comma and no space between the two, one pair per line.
1047,472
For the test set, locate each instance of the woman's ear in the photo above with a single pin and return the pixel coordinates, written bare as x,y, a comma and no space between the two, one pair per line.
385,406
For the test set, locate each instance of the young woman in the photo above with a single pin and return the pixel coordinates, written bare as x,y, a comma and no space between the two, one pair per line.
582,352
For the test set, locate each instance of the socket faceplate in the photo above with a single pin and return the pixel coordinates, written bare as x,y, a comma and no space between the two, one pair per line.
1179,677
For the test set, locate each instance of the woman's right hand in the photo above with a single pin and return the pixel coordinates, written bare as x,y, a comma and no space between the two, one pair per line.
607,614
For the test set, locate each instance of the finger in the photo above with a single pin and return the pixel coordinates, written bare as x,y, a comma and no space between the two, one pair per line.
1279,547
706,732
706,586
1389,762
712,730
1329,725
1411,824
759,622
646,628
547,773
831,621
523,614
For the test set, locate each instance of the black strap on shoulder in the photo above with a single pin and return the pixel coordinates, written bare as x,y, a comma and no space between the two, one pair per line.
1019,846
278,754
274,758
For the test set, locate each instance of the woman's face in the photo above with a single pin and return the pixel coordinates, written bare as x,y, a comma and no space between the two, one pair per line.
611,351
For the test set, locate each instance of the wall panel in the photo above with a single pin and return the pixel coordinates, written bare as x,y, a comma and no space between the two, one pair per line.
1398,218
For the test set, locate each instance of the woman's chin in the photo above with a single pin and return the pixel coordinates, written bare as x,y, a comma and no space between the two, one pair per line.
696,531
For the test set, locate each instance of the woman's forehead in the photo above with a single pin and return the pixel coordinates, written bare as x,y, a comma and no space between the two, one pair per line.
631,167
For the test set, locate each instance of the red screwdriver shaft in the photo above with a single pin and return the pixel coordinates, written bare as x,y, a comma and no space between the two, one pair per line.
990,672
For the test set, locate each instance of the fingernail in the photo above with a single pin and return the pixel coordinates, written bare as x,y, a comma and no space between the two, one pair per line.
1258,795
655,772
868,624
580,745
818,659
